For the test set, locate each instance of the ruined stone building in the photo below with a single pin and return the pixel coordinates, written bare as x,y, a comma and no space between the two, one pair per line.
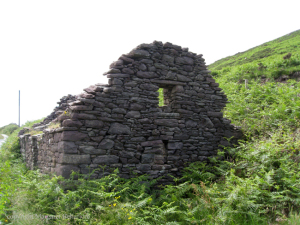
121,125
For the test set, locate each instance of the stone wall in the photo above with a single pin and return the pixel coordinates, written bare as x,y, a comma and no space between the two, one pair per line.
120,124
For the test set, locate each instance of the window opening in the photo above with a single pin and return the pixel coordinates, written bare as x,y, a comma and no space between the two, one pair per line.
166,143
161,97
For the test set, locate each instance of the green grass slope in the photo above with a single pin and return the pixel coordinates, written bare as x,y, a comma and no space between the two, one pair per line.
264,61
280,46
262,104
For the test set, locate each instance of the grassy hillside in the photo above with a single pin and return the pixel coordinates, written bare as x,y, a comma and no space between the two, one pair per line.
258,182
262,104
8,129
280,46
264,61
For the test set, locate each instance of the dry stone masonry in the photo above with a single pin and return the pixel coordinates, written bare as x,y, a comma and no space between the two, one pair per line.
120,124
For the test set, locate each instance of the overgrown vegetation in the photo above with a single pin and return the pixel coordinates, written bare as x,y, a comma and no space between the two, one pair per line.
33,132
54,125
269,51
260,109
257,182
8,129
1,137
270,68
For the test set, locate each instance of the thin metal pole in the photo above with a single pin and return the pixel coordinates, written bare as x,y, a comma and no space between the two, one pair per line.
19,108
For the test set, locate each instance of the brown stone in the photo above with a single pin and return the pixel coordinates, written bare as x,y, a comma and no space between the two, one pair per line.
72,136
71,123
67,147
74,159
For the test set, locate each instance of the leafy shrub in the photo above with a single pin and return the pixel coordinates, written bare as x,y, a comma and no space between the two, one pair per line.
8,129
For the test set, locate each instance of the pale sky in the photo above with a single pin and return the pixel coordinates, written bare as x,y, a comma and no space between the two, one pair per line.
49,49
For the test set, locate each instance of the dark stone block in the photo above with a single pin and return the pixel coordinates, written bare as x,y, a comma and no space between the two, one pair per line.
62,117
183,78
117,128
123,160
67,147
175,145
138,139
191,124
166,122
57,137
168,58
74,159
126,154
119,110
133,160
99,104
71,123
106,159
81,107
94,123
136,107
173,158
149,87
184,60
97,139
106,144
147,158
72,136
127,70
181,136
143,167
133,114
152,143
147,75
215,114
158,159
137,54
83,116
145,121
92,150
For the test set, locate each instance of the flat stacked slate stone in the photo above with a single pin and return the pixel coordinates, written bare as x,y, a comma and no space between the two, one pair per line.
62,106
120,124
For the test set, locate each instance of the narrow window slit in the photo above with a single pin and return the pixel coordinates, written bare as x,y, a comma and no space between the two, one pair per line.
161,97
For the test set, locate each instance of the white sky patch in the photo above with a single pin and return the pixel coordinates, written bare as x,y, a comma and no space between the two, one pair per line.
49,49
